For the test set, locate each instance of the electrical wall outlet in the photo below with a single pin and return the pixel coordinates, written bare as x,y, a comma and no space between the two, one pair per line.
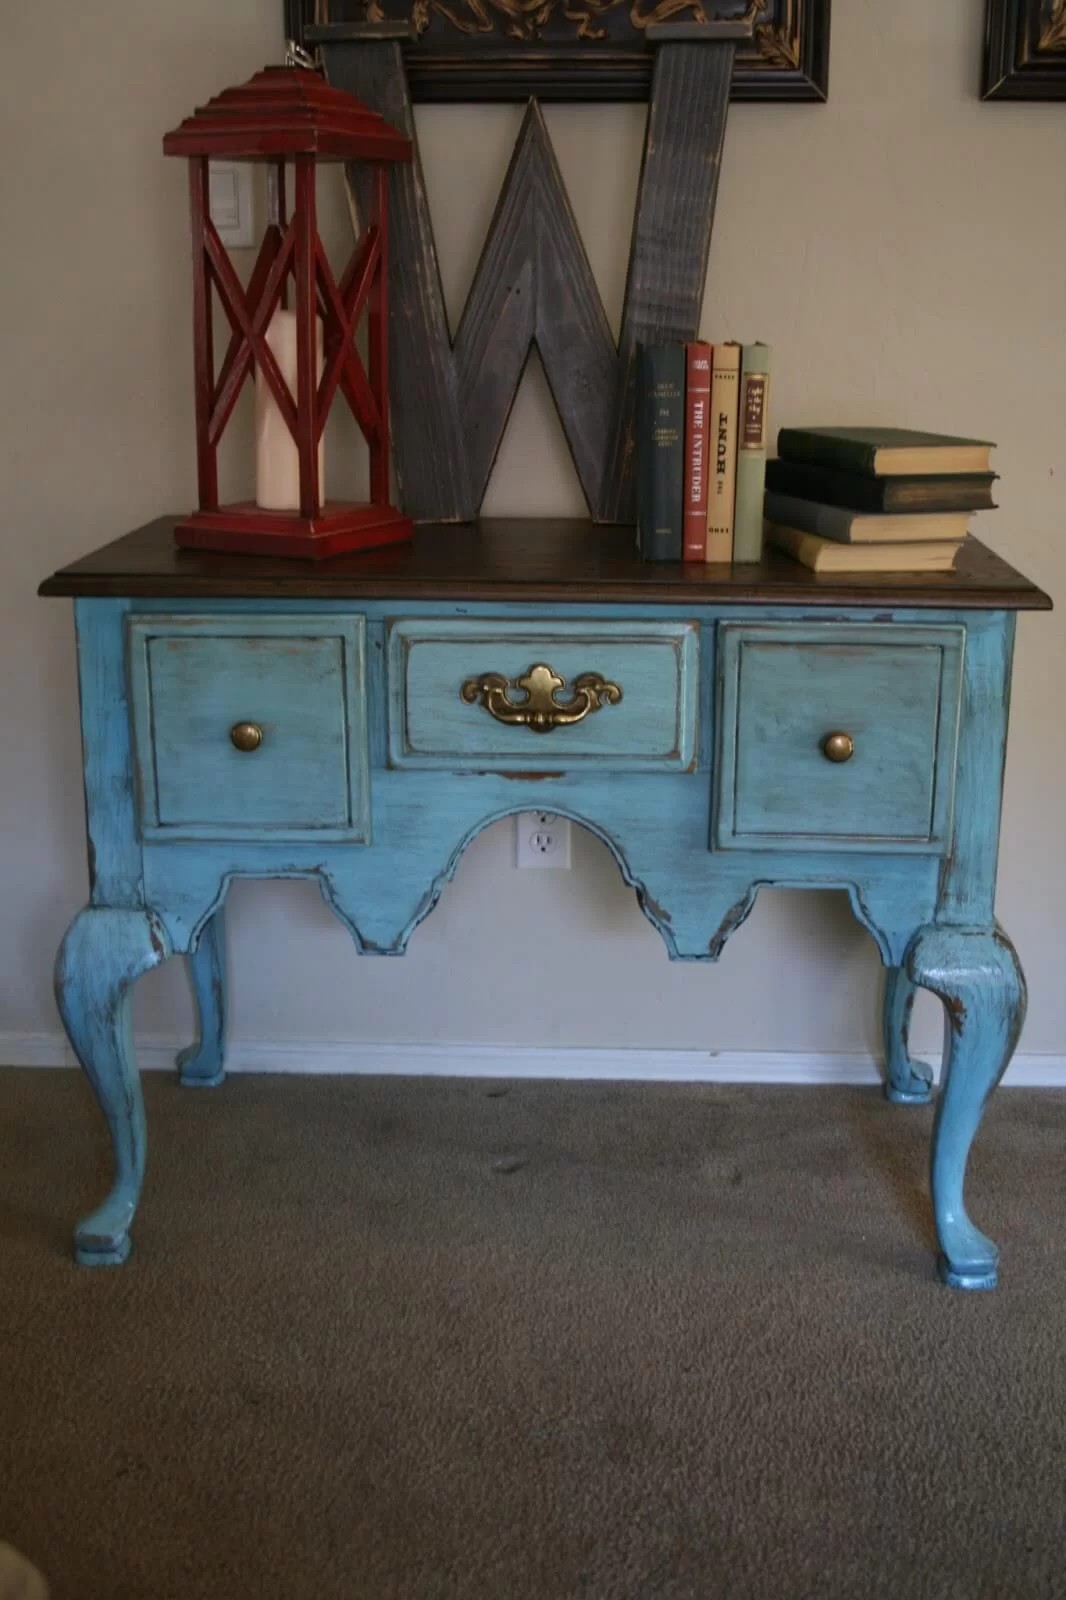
541,839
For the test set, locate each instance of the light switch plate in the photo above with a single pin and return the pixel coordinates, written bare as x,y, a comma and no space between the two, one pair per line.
232,203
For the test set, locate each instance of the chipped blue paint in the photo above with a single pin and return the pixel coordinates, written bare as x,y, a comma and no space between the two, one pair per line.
907,1082
202,1065
894,691
977,976
104,951
302,680
729,794
651,729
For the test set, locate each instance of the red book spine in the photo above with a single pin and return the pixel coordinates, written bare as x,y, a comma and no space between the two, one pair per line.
697,413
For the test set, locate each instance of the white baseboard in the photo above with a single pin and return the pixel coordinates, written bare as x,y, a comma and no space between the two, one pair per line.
521,1061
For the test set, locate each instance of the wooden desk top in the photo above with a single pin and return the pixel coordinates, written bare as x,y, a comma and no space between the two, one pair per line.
525,560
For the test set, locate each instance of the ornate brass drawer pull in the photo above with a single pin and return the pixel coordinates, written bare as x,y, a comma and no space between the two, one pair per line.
838,747
540,712
246,736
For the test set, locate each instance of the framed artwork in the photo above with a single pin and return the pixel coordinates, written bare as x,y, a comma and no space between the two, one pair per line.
1025,50
581,49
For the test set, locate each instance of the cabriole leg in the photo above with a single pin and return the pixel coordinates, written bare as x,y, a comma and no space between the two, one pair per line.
202,1065
103,953
979,980
907,1082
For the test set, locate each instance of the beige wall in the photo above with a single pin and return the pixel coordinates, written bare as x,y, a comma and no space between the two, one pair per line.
901,248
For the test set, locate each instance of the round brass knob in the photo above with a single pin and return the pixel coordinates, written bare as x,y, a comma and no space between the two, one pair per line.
838,747
246,736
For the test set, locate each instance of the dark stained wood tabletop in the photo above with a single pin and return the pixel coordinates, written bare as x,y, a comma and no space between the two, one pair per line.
524,559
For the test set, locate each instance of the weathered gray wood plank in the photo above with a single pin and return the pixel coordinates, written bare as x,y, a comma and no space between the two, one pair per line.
671,235
428,448
534,282
574,336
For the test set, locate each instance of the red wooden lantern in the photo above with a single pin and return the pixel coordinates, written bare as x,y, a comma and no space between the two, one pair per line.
291,115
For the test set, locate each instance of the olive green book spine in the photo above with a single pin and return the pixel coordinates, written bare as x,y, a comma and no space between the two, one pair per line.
751,452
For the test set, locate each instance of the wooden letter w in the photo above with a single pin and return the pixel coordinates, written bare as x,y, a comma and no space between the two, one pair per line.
450,403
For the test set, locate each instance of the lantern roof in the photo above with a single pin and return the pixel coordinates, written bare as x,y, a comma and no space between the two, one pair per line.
287,111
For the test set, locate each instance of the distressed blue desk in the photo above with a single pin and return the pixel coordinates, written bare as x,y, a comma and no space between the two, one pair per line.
718,728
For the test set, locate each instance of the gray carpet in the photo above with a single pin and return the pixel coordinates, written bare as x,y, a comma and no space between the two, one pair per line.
427,1338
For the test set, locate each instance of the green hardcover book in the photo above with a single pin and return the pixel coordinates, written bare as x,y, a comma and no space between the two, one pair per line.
833,486
885,452
751,452
661,451
864,527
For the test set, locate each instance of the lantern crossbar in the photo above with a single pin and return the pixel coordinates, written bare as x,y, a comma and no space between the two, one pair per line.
264,291
251,323
341,308
237,360
356,389
362,395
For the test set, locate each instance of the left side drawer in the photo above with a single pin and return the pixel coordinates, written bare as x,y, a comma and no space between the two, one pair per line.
250,726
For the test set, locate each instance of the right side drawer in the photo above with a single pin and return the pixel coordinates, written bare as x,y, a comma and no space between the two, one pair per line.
839,735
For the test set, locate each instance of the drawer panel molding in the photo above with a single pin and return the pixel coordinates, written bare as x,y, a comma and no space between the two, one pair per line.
515,696
837,734
250,726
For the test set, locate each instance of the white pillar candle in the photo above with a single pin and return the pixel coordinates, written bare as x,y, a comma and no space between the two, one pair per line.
277,460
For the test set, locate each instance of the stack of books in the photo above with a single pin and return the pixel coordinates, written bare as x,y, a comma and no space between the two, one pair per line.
875,499
701,450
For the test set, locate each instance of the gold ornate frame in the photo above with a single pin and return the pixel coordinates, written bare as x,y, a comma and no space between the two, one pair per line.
581,49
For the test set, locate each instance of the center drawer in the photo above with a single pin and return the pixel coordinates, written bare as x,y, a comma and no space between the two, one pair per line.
543,697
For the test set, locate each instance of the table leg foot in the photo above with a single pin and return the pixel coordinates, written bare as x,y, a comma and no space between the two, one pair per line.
102,1239
979,980
907,1082
103,953
202,1065
986,1279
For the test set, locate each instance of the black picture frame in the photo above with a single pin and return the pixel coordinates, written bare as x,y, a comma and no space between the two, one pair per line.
1025,50
471,50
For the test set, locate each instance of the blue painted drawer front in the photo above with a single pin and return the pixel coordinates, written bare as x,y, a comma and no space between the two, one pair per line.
783,688
656,665
301,679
